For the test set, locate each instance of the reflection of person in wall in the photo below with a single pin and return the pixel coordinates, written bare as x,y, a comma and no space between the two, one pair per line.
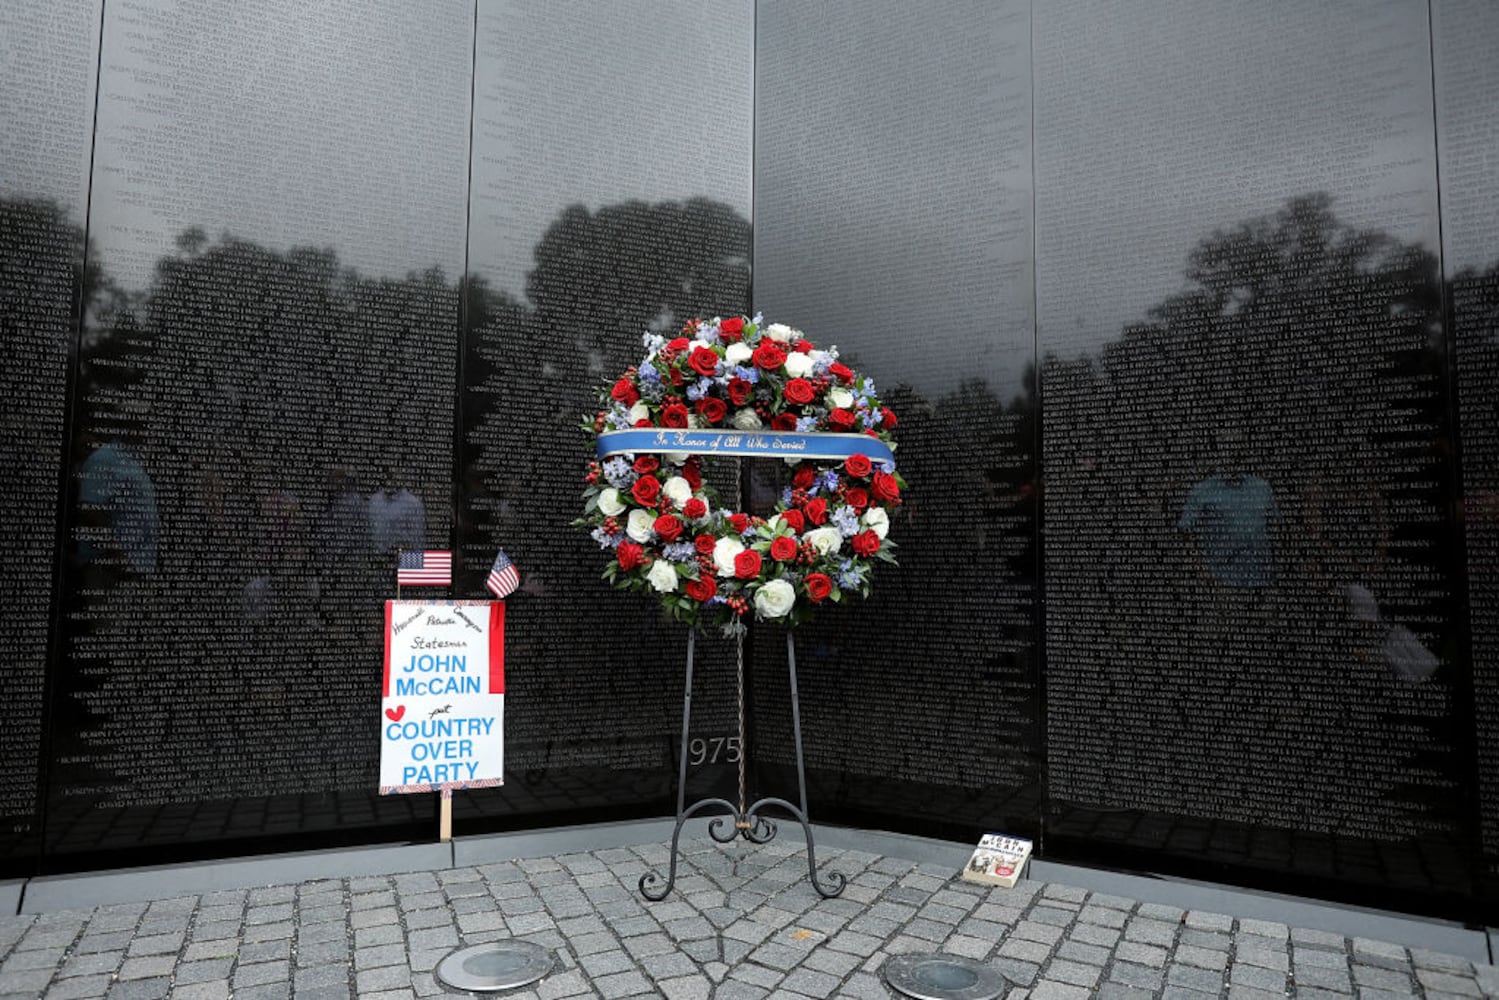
397,519
1233,514
117,508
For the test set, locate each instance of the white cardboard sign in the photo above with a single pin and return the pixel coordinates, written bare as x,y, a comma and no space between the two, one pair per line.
442,701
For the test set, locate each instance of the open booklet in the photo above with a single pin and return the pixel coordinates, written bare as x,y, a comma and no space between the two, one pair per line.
998,860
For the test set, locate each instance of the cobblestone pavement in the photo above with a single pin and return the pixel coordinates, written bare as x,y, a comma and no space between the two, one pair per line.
743,923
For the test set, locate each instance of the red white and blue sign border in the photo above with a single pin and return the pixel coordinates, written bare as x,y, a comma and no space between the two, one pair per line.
492,685
741,387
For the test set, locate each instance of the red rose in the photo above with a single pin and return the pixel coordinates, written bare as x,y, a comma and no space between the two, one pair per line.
704,544
803,346
644,422
857,465
799,391
712,409
668,526
646,490
885,487
739,521
702,588
747,564
840,418
856,498
842,372
865,543
703,361
676,377
887,418
693,473
739,391
674,415
694,508
624,391
646,464
783,422
818,587
731,329
769,356
795,519
816,510
804,476
674,348
629,555
783,549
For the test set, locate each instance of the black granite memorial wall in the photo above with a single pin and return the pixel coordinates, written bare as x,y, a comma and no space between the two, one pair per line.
1245,445
893,220
47,76
263,413
1467,87
607,199
1189,315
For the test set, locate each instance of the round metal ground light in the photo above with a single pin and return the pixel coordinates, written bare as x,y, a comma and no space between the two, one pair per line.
943,977
499,965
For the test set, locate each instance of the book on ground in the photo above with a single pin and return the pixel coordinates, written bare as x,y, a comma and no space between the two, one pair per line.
998,860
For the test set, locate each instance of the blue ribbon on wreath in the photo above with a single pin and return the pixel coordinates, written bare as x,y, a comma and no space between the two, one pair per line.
745,444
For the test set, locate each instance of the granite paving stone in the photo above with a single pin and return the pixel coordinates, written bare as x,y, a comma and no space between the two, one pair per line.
743,923
1258,977
1319,978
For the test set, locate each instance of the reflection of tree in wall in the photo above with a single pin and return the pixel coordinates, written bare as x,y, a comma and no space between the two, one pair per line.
1306,353
266,395
601,278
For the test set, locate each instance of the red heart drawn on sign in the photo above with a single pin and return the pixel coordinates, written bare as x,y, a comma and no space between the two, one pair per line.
395,714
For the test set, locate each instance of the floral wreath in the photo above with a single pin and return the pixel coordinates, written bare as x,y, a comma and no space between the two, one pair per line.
738,387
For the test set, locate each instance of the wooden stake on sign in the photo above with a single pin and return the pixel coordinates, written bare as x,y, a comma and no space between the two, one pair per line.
445,817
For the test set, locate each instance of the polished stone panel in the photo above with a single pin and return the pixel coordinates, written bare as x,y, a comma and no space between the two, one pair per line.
1464,36
893,220
1250,615
610,195
48,54
264,411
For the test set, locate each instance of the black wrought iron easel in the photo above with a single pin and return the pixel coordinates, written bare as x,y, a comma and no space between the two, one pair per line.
748,821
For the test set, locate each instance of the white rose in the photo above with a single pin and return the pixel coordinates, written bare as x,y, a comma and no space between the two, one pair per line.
639,526
876,520
679,489
841,398
738,353
774,599
826,540
724,551
663,576
747,420
781,333
639,412
609,502
677,457
694,422
798,365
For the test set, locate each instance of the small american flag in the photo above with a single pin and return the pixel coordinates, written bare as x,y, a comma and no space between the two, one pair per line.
425,569
503,576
